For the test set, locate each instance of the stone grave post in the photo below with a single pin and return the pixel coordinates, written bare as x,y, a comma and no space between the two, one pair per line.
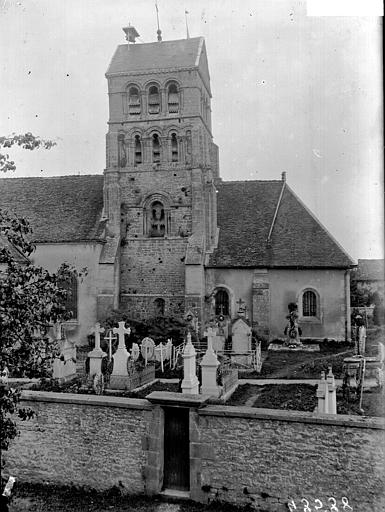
209,366
190,383
96,355
322,395
331,391
361,340
119,376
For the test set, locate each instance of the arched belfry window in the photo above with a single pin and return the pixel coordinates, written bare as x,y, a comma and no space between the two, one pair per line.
153,100
222,303
157,220
174,148
138,150
173,99
134,106
155,148
309,304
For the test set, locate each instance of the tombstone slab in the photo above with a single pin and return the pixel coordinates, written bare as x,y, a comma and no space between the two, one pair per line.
119,377
241,348
96,355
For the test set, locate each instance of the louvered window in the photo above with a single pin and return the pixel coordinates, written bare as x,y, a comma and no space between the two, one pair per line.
174,148
155,148
309,303
153,100
134,106
138,150
173,99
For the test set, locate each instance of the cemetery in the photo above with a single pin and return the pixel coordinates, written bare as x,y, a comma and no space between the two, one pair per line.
112,416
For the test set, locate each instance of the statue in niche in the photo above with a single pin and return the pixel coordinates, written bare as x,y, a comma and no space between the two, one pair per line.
122,155
157,220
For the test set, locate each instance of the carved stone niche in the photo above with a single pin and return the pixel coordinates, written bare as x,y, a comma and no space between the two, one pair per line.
157,216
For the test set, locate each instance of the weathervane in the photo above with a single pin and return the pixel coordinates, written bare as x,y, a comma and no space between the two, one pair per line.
159,32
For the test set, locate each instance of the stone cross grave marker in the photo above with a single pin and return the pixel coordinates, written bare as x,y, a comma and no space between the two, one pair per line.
96,355
211,334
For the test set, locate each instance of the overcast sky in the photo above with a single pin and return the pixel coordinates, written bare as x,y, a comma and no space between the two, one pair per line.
290,93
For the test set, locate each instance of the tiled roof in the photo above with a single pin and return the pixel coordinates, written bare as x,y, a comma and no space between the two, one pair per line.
245,214
64,208
160,55
370,270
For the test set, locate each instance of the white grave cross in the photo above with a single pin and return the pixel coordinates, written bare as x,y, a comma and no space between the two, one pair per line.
121,331
121,355
97,331
211,334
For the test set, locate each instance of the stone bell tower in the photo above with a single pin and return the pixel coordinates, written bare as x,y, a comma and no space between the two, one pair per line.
159,192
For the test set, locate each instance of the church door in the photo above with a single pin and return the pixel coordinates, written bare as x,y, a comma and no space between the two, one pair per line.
176,449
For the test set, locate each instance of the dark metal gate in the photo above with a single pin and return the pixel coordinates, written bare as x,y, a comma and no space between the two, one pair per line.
176,473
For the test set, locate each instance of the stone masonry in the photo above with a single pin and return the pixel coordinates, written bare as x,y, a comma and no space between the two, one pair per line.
242,455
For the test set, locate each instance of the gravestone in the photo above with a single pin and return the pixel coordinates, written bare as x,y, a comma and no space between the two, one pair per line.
361,340
96,355
147,349
241,346
64,367
209,366
326,394
119,376
217,338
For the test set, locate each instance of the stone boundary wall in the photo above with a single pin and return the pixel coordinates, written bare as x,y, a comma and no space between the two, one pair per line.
263,457
86,440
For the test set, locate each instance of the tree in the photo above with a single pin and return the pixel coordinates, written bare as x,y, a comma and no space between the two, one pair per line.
31,299
26,141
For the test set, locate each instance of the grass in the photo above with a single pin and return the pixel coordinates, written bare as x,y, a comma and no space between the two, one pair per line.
296,397
300,365
302,397
54,498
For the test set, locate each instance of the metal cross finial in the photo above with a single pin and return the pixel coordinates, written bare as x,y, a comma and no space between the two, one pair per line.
110,338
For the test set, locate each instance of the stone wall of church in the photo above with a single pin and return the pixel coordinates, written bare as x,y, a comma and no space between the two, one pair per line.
267,293
79,256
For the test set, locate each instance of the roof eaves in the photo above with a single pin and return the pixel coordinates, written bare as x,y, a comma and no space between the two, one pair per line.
72,241
150,71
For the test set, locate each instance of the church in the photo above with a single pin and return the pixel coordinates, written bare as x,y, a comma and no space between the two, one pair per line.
161,234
